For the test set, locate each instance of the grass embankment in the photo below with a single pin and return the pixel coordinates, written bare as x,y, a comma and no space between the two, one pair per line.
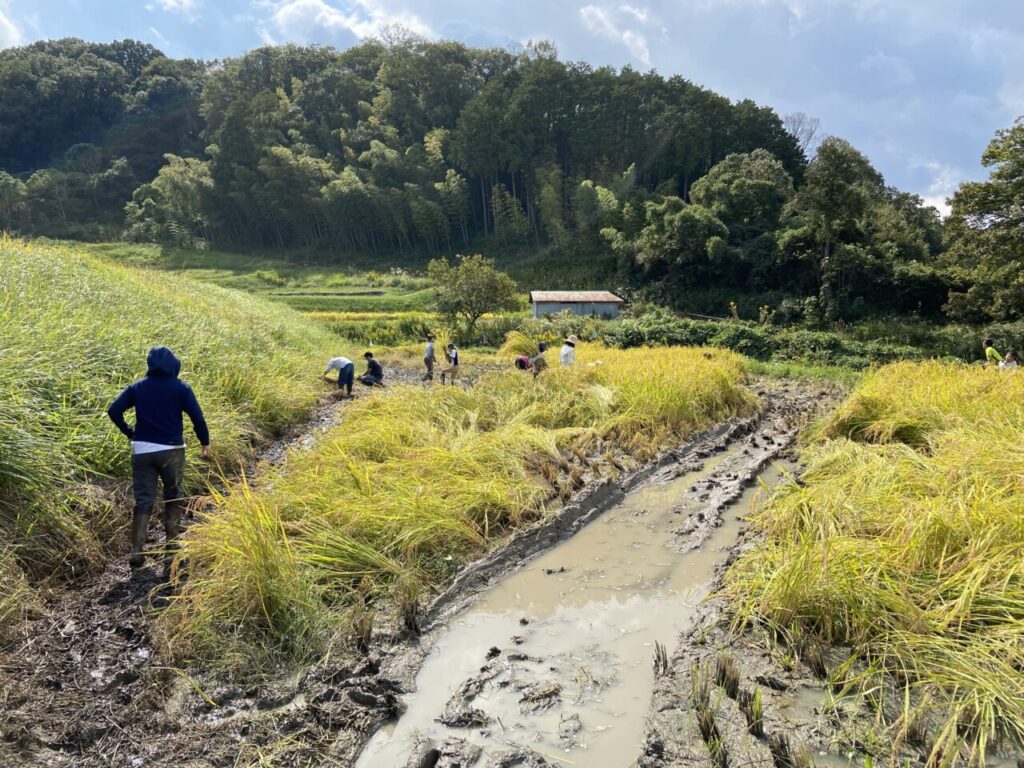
418,481
73,331
904,539
362,285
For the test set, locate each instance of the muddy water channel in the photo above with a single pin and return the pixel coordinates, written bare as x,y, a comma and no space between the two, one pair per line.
556,660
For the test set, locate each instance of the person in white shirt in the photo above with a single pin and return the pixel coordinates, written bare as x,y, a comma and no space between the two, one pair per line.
451,354
346,372
567,354
1009,363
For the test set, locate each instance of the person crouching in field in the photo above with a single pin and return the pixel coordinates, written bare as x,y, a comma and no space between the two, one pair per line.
158,445
374,376
346,372
539,363
1009,363
992,356
429,358
451,354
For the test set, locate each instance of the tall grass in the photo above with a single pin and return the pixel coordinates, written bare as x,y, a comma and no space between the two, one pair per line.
73,331
418,481
904,540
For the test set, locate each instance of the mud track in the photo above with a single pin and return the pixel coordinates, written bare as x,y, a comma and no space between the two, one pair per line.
82,686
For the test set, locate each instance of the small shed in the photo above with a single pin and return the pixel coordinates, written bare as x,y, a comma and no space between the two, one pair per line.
600,303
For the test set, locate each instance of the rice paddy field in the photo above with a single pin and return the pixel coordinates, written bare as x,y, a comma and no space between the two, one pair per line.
418,481
903,540
73,331
900,542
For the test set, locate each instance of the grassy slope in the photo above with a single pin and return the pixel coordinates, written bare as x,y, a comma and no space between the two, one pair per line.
73,331
418,481
904,539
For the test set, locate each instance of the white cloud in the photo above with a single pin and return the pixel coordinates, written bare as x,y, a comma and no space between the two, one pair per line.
945,181
640,14
939,203
611,26
187,8
893,70
158,36
309,20
9,32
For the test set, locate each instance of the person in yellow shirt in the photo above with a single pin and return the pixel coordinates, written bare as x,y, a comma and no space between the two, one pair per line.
992,356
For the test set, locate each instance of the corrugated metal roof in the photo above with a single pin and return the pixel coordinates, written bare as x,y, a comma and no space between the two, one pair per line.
574,296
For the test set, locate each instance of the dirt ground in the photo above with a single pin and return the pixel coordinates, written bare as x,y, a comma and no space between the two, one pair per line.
82,684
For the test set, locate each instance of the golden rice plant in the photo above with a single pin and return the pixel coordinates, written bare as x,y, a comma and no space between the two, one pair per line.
418,481
904,540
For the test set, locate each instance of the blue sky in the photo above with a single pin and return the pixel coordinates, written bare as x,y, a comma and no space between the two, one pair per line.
919,86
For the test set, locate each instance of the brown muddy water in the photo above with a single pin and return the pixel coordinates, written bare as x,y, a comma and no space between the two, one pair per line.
559,654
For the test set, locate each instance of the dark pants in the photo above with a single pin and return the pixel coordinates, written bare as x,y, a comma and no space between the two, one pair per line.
370,380
429,362
346,376
168,467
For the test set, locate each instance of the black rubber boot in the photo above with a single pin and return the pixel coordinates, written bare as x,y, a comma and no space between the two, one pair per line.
172,530
140,528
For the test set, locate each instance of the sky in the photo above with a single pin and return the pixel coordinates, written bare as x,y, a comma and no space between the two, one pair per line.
919,86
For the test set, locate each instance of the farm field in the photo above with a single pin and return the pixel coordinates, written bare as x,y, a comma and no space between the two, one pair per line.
334,544
391,304
767,516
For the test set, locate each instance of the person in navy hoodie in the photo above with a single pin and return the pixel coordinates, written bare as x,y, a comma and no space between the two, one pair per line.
158,444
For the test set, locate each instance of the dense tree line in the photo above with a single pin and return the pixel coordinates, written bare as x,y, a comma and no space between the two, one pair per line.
405,144
83,124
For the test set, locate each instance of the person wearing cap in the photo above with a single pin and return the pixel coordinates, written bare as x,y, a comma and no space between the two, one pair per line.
567,354
346,372
452,356
429,358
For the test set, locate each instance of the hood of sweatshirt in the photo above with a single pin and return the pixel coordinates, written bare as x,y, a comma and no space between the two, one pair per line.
162,362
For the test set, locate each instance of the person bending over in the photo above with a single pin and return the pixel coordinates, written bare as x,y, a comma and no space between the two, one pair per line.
346,372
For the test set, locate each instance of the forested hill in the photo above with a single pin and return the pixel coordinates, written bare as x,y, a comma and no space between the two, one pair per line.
399,139
435,147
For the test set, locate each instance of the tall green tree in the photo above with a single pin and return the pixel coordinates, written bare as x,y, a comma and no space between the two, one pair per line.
838,191
472,287
986,232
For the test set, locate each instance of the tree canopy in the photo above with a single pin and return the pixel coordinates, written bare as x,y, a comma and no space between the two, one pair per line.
986,231
406,144
471,288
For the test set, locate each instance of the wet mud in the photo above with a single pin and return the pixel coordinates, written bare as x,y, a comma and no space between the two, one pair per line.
548,651
81,685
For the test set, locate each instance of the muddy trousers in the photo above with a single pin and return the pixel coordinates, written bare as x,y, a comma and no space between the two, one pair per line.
167,467
429,364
